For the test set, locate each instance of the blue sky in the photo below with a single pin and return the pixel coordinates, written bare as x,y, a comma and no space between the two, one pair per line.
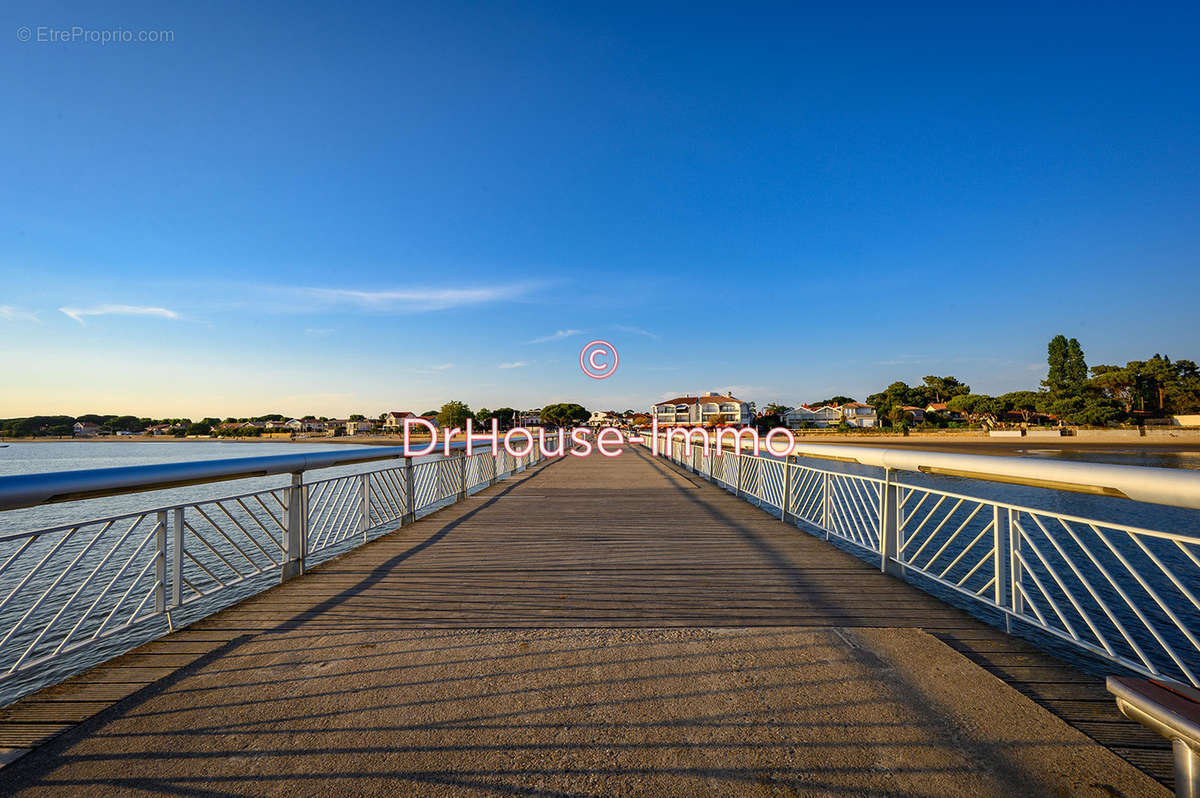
376,207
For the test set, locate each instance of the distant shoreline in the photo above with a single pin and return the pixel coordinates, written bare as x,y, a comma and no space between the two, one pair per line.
960,442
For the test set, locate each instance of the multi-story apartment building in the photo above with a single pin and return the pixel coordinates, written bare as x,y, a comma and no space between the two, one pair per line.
703,410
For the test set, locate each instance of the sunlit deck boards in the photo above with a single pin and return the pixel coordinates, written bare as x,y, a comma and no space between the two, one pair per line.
571,546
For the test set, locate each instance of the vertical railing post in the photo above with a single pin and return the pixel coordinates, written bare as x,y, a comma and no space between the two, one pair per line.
825,486
364,505
786,504
738,461
160,562
491,467
1000,552
293,564
410,494
177,557
462,475
1014,546
889,525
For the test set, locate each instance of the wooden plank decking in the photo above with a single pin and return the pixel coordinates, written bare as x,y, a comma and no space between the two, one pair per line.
631,543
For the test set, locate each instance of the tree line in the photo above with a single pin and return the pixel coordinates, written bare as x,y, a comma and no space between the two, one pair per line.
1072,393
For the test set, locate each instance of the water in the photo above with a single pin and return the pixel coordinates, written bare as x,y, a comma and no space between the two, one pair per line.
37,458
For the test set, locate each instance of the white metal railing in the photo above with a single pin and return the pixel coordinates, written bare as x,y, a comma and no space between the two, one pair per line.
1126,594
111,583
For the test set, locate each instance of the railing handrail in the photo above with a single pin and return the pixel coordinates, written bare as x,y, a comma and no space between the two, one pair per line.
32,490
1176,487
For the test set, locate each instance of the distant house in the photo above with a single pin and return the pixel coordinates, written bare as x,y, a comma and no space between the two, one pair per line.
86,429
159,429
529,418
393,421
705,410
604,418
857,414
914,414
360,426
942,410
805,416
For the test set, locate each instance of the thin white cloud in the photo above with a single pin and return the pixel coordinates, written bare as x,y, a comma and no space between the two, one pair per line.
637,331
413,300
443,366
9,313
78,314
557,336
516,364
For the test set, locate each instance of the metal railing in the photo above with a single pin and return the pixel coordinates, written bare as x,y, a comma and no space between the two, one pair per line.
1128,595
111,583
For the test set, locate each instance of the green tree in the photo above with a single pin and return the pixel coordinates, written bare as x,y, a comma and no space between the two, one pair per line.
942,389
453,414
1056,357
506,416
564,414
357,417
483,417
774,409
1026,403
199,428
1075,369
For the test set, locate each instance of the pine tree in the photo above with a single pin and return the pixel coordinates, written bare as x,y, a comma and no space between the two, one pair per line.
1076,367
1056,379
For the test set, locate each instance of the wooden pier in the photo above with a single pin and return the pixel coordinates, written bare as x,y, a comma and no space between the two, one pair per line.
589,627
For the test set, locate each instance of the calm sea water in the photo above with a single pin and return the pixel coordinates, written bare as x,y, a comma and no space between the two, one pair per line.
42,457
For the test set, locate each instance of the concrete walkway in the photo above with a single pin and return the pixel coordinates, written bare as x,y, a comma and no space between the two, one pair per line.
594,627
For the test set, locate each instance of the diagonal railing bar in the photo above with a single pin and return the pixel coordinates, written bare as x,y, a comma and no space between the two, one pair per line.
1032,572
258,522
187,526
1115,585
132,584
217,528
1126,594
246,532
79,590
1062,586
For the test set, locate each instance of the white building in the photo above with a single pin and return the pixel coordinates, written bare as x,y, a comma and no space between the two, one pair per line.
360,426
393,421
856,414
705,410
86,429
604,418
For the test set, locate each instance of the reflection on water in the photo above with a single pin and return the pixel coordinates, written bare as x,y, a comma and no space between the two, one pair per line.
1137,457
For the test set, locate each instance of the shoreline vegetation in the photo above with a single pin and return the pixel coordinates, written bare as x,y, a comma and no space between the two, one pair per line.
962,441
1155,402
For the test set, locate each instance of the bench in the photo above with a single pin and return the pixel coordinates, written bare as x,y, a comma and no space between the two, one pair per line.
1172,710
